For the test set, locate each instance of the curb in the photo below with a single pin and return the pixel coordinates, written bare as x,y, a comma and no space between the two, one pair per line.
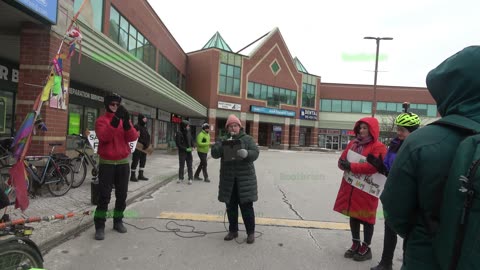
146,190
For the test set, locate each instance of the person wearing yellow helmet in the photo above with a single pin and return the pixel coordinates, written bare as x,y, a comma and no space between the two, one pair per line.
406,123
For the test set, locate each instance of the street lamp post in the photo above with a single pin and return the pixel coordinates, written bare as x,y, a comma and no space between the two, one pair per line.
374,103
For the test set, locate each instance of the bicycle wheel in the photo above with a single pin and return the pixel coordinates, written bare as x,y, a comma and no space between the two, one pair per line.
63,182
80,171
16,255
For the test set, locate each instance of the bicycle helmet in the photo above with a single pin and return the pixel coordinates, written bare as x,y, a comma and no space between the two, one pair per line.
408,120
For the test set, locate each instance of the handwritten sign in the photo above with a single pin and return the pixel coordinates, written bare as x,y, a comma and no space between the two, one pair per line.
93,140
372,184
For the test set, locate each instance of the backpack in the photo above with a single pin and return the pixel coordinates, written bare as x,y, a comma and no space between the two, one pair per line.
456,236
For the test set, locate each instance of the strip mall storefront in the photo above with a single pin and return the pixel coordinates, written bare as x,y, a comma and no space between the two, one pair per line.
8,89
334,139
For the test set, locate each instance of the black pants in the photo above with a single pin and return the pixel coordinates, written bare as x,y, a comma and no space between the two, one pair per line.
182,157
367,230
389,244
202,166
248,214
136,157
108,176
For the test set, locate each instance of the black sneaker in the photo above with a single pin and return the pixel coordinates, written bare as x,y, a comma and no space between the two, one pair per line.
352,250
207,180
100,234
251,238
364,253
119,227
197,178
382,266
230,236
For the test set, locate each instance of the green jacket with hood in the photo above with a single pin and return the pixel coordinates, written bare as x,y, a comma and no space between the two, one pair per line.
423,162
203,142
240,172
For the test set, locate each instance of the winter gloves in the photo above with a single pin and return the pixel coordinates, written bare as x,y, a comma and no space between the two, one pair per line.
242,153
378,164
123,114
344,164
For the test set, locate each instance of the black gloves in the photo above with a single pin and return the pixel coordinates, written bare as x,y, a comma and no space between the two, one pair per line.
378,164
123,114
344,164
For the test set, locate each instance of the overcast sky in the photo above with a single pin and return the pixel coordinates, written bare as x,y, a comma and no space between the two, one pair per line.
327,36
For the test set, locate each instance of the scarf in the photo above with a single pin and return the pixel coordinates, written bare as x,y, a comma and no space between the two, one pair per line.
360,142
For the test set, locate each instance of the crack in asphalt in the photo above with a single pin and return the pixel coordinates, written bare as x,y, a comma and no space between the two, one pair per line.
285,200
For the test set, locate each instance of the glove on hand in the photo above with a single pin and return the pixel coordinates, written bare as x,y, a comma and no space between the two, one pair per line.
115,121
344,164
378,164
242,153
189,150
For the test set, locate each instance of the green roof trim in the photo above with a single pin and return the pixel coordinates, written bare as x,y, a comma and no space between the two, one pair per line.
300,66
217,42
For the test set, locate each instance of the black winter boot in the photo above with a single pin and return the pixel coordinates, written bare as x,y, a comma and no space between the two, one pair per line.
133,178
119,227
382,266
100,234
141,176
352,250
364,253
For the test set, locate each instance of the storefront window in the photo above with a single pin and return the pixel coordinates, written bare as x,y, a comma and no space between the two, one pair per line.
6,113
74,118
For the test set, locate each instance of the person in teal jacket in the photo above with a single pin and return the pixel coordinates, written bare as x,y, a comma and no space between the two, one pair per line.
423,162
203,145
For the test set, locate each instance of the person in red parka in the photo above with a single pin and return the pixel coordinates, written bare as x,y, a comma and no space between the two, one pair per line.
360,206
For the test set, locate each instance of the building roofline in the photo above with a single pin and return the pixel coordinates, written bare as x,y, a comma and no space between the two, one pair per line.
371,85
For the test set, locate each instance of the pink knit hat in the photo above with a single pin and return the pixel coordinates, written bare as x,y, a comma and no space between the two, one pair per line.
233,119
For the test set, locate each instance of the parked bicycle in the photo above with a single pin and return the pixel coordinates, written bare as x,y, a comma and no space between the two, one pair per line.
80,163
17,251
56,174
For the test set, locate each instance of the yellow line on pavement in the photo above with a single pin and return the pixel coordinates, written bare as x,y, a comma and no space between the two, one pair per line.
297,223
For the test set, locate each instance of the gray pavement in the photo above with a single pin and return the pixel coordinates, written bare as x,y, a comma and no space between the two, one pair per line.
161,167
292,185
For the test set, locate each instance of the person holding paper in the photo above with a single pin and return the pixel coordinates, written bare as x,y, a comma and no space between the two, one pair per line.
406,123
114,130
138,155
238,181
352,201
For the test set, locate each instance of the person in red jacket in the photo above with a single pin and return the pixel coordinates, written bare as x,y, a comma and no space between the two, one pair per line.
114,131
360,206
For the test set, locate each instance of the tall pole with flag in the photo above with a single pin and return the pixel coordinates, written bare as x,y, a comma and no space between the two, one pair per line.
52,86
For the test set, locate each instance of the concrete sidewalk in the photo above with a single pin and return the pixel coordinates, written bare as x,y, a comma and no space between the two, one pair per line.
161,168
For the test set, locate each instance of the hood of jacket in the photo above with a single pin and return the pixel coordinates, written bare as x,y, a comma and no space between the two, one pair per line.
373,126
455,84
140,120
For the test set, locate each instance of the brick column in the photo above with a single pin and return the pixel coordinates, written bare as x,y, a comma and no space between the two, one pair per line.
212,121
295,133
254,127
269,135
314,137
38,46
285,143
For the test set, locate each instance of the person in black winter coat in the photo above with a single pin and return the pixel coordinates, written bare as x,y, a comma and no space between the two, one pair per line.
184,142
138,155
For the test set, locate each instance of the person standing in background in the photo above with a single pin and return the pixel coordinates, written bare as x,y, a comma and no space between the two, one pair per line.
138,155
203,145
184,142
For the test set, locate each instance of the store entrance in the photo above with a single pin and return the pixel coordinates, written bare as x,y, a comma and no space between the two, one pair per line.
262,134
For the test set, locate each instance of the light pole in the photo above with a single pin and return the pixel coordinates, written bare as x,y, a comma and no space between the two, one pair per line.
374,103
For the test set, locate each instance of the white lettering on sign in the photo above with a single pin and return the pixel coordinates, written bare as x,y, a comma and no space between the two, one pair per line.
93,140
4,74
84,94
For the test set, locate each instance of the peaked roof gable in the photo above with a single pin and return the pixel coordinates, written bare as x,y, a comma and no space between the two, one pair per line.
217,42
299,65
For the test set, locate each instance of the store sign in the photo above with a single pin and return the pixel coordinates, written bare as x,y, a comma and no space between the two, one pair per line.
308,114
176,119
133,106
348,132
8,73
163,115
329,131
272,111
80,93
47,9
277,128
229,106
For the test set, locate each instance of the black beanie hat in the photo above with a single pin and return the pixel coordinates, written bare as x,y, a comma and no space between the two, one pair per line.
109,99
140,119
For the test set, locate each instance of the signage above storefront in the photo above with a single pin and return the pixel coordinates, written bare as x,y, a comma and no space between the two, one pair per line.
163,115
229,106
177,119
329,131
272,111
308,114
8,75
46,9
84,94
